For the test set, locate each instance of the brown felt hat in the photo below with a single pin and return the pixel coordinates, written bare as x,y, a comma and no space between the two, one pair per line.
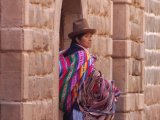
81,26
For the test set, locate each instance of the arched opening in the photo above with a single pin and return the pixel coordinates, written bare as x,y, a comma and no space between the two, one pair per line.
71,11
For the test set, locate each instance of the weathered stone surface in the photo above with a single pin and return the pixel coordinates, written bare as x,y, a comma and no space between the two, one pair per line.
26,47
137,23
14,67
152,112
27,39
121,73
137,115
40,87
101,24
152,58
12,13
8,111
40,63
152,41
107,66
135,84
153,7
152,62
11,39
121,48
138,3
38,16
137,50
44,110
46,3
121,27
152,75
151,92
136,67
130,102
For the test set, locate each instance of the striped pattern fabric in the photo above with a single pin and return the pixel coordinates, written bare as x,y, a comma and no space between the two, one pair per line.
97,98
73,70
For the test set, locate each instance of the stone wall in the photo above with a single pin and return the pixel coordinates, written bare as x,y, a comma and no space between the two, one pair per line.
29,47
28,85
152,60
100,15
128,57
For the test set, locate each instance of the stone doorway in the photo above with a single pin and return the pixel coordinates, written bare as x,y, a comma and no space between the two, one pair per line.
71,10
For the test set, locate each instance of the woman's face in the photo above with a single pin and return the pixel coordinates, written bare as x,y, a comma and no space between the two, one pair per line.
85,40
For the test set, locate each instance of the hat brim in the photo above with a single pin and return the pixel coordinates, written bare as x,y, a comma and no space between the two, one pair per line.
75,33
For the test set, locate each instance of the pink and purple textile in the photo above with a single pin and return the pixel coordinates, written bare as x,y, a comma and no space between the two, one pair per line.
74,69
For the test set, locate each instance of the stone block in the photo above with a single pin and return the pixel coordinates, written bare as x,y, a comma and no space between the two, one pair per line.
136,32
14,73
38,16
105,45
95,42
148,95
150,75
9,109
134,84
38,63
136,67
151,92
10,62
126,103
146,5
121,24
35,110
32,65
105,66
27,111
28,39
121,48
12,13
152,112
47,61
130,102
25,39
139,103
136,115
137,23
40,87
121,73
56,108
94,6
137,50
11,39
44,109
30,16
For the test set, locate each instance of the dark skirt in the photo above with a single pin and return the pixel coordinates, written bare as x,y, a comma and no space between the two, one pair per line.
74,114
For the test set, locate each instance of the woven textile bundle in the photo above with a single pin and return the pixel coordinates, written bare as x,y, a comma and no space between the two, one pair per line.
97,98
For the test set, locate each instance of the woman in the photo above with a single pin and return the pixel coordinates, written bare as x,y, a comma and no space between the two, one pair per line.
76,66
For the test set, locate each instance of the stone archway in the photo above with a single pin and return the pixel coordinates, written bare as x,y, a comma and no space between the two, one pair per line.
66,11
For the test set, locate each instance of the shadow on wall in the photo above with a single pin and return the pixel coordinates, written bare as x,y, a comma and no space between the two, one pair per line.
71,11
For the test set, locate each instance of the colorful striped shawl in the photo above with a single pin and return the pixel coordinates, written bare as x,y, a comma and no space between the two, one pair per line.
74,69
